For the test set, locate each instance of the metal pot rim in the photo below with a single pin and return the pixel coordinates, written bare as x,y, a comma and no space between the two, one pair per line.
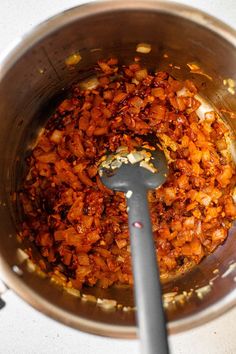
7,60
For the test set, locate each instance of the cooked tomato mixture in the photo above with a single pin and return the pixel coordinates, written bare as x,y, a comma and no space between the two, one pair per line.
78,225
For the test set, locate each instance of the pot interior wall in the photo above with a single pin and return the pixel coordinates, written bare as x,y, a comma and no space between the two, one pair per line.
39,78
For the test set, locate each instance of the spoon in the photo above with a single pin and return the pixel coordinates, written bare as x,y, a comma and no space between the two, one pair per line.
134,175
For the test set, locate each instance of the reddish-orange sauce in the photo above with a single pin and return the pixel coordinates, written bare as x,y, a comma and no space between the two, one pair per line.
79,226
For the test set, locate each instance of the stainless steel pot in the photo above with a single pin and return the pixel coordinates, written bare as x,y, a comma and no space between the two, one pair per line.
34,73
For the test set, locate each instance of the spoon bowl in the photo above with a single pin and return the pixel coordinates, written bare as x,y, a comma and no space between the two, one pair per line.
135,173
130,175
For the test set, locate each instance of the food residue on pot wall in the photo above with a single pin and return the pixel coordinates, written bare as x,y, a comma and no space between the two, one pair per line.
230,84
73,59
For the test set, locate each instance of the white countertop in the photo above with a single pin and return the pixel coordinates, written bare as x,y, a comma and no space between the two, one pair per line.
23,330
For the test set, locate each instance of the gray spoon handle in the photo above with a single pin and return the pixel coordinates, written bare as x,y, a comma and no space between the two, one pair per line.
148,295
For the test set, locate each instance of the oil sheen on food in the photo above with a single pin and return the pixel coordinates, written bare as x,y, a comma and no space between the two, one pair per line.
78,225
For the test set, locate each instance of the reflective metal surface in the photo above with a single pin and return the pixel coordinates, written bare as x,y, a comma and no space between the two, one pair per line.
34,74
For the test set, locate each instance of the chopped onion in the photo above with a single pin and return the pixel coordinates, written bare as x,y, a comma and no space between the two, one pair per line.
72,291
199,228
73,59
148,166
21,255
135,157
120,259
141,74
143,48
231,83
180,298
90,298
231,90
89,84
116,164
56,136
204,108
129,194
201,292
35,143
168,142
184,92
169,295
135,81
122,149
31,267
128,308
107,303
